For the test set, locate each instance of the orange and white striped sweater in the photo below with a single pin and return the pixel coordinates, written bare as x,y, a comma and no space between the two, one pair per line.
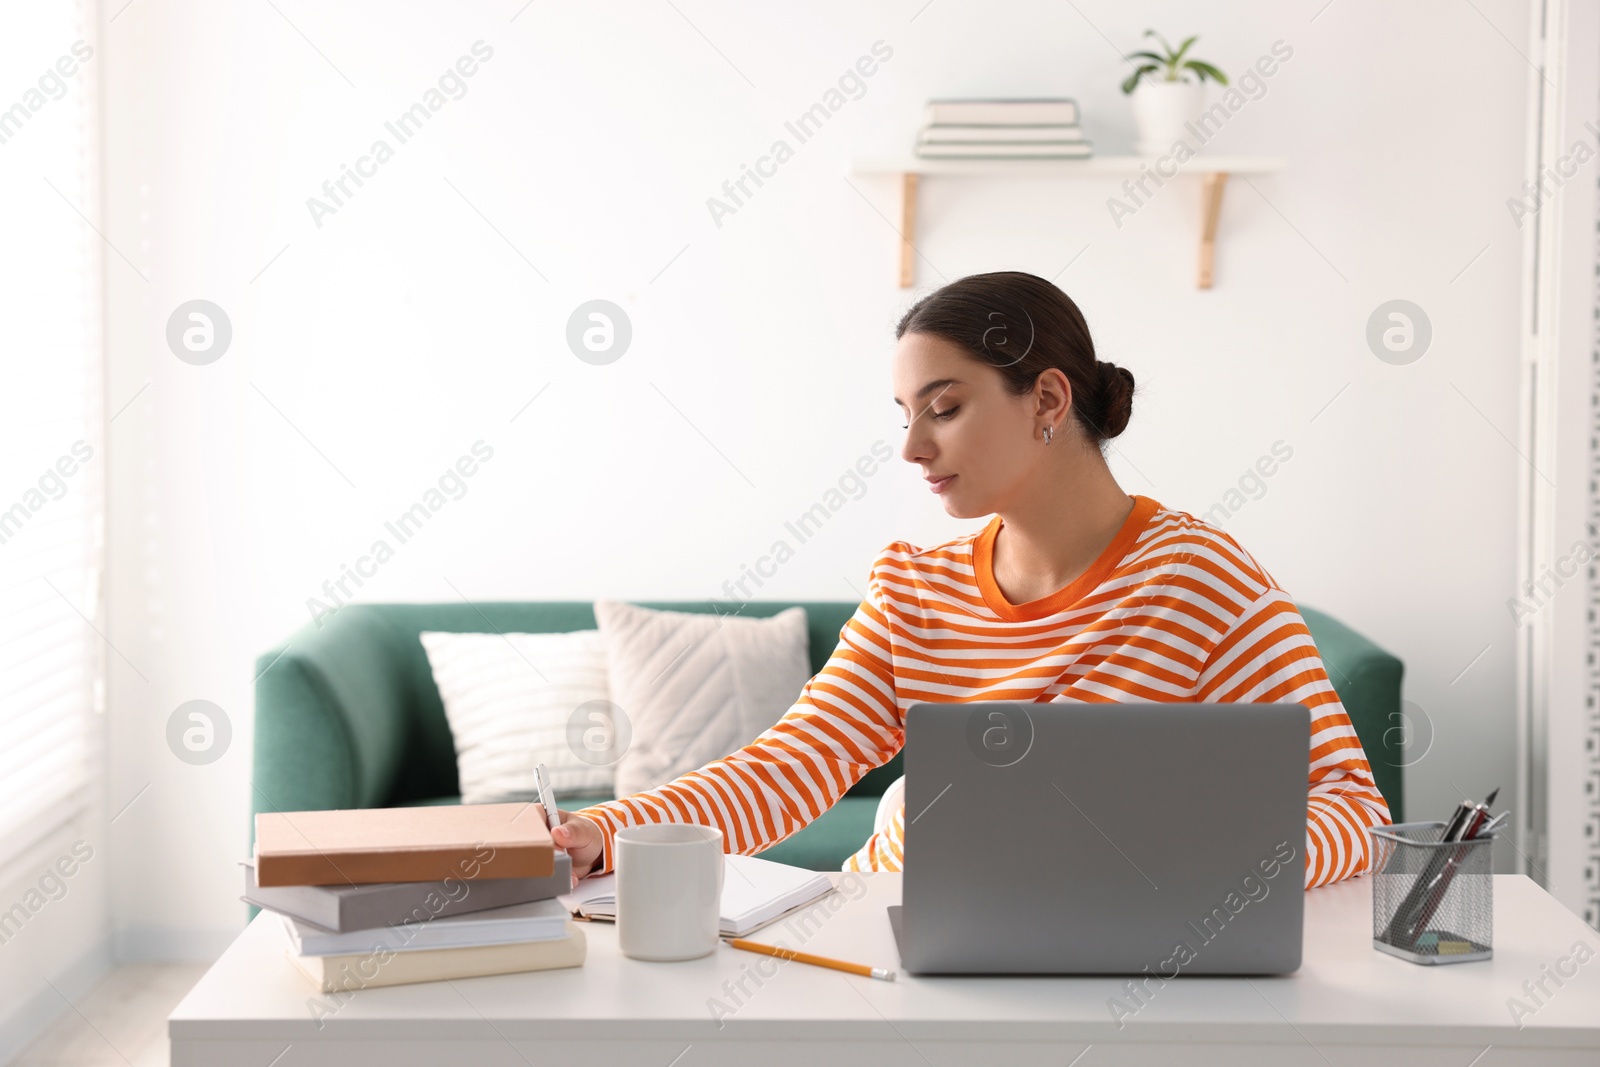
1173,610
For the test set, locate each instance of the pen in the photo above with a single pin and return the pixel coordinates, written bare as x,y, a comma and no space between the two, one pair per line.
1479,817
880,973
1458,820
1476,816
1462,819
547,796
1492,825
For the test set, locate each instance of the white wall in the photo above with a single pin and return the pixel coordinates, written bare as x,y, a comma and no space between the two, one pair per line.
56,943
377,348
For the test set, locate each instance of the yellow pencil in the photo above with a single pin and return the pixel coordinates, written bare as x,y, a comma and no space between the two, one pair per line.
862,969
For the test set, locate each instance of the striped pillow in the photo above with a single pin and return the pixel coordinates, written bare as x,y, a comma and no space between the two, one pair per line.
516,700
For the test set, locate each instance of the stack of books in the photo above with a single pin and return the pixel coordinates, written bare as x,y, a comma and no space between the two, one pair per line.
1044,128
389,896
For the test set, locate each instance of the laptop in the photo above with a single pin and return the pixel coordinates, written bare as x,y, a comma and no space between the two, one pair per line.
1053,838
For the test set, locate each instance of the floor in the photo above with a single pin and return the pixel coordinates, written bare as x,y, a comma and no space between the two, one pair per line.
122,1022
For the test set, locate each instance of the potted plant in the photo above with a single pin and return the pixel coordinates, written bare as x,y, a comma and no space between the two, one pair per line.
1172,93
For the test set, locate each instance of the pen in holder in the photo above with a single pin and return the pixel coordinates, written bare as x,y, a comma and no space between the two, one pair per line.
1432,899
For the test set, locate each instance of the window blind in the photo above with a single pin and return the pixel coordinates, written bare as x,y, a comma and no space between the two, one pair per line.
52,423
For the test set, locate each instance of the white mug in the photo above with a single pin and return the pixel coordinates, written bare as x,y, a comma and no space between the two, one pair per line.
669,890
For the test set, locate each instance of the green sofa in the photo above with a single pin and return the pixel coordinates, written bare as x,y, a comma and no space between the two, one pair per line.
347,715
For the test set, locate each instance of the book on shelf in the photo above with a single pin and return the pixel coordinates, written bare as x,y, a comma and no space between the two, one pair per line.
539,920
754,892
339,908
365,970
1083,150
1013,111
938,134
352,846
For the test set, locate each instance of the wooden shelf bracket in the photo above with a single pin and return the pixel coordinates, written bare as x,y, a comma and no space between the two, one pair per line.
1211,208
908,230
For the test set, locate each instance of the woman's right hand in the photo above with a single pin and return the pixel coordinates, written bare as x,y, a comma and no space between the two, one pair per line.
579,838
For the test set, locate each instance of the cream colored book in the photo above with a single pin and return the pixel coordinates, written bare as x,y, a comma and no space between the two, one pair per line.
368,970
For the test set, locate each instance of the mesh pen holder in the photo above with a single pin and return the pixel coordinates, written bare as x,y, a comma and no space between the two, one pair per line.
1432,900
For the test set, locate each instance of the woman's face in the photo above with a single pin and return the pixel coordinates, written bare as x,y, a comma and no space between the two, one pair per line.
962,425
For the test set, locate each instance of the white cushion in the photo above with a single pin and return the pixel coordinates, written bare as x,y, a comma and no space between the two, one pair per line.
512,701
893,798
696,687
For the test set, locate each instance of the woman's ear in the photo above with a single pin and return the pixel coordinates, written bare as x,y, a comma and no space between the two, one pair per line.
1054,392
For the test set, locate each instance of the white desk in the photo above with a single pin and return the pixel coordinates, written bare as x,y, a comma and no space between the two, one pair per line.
1347,1005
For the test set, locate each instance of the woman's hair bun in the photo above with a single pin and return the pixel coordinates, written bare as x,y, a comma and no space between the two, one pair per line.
1116,398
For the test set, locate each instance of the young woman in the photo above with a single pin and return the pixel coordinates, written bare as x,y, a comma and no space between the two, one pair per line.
1073,591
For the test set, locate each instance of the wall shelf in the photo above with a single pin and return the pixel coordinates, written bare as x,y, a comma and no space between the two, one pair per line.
1212,170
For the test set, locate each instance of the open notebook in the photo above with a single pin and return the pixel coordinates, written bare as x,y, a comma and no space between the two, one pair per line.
754,892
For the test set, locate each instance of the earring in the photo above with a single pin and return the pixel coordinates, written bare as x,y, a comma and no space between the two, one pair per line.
1047,435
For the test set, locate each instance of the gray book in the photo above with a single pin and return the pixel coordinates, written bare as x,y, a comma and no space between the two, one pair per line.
366,907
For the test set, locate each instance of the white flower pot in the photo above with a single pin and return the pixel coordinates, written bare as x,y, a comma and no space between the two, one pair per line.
1161,108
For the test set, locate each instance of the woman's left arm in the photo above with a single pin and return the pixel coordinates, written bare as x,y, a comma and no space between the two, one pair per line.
1268,657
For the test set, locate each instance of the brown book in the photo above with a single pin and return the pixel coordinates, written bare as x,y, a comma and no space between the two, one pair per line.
354,846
